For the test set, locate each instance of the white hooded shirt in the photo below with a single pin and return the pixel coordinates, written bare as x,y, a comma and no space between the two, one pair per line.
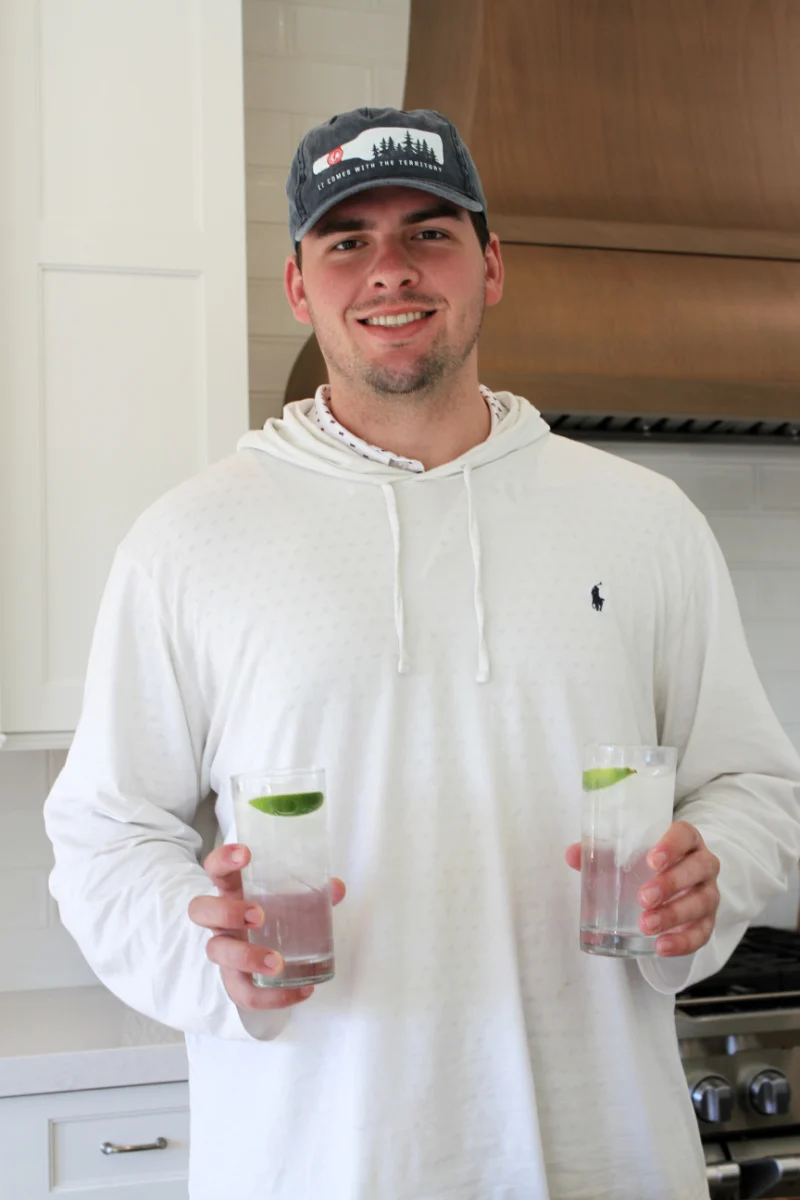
430,639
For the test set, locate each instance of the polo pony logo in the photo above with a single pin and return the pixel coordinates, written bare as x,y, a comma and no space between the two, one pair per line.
597,600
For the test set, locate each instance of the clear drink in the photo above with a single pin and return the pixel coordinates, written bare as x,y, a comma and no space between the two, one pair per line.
299,925
281,817
629,796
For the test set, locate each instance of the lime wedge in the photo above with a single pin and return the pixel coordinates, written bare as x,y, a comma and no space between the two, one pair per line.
294,805
603,777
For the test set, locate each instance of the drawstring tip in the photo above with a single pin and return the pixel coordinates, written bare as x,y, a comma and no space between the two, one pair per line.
483,675
402,666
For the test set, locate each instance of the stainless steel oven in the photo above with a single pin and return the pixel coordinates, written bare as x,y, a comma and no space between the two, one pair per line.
739,1038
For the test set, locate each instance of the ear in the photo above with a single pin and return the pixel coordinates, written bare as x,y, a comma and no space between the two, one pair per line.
493,267
296,291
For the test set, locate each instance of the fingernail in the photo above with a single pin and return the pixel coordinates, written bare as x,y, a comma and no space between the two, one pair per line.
237,858
651,922
650,895
658,860
274,962
254,916
665,946
305,992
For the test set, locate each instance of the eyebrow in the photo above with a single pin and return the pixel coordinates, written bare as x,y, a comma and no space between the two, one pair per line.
345,224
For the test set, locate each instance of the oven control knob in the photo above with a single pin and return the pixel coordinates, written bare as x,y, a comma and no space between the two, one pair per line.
712,1097
770,1093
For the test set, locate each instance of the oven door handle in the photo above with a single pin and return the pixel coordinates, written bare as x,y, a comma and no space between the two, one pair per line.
723,1180
763,1174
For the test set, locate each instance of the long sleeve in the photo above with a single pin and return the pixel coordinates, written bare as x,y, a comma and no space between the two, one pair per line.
738,775
126,857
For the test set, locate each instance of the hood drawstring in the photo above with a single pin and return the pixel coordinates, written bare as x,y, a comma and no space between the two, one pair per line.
475,545
399,613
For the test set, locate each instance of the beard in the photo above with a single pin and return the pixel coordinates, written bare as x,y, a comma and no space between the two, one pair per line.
417,378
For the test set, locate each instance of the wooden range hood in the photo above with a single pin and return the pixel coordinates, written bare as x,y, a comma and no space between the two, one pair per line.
641,163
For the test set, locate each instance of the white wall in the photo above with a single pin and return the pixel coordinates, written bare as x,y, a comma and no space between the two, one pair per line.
303,63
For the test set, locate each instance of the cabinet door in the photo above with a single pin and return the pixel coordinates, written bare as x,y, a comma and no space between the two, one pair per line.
54,1143
123,328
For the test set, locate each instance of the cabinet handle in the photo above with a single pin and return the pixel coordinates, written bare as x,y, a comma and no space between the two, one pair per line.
110,1148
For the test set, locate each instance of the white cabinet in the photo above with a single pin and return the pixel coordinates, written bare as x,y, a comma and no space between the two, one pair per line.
54,1143
123,316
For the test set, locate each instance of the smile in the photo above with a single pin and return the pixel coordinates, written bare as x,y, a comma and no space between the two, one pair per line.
397,319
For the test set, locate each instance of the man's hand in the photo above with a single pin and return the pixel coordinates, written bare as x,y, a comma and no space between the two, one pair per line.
681,902
230,916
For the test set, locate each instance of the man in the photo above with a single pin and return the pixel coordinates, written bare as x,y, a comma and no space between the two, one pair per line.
397,581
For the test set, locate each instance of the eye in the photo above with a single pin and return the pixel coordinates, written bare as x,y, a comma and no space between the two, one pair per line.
347,244
431,234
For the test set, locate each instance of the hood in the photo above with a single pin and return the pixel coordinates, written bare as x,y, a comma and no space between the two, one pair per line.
640,167
296,439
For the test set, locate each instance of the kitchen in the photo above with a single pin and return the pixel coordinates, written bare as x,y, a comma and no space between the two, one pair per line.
74,1061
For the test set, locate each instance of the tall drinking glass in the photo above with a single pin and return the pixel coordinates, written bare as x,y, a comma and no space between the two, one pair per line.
628,801
281,816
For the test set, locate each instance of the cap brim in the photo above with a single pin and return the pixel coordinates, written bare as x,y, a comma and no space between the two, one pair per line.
435,189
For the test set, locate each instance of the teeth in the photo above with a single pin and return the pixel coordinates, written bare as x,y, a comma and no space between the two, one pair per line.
400,319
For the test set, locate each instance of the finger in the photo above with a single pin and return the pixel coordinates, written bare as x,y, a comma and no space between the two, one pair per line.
235,955
679,840
338,891
695,905
224,912
224,868
244,993
696,868
685,940
572,856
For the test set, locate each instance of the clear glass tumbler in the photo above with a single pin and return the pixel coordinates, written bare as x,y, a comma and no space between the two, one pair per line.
281,816
628,801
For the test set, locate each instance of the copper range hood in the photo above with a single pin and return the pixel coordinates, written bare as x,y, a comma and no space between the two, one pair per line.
641,163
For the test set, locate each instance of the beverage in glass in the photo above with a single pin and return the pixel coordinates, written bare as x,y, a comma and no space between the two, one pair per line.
281,816
628,801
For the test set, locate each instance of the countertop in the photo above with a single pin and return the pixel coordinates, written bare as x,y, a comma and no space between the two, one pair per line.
69,1039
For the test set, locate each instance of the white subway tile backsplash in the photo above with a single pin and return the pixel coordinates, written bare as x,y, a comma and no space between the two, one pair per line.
269,139
324,32
271,362
779,485
755,540
302,86
268,247
264,405
269,314
23,903
779,594
356,5
388,85
301,123
745,585
263,27
24,843
22,776
775,645
783,691
44,958
265,189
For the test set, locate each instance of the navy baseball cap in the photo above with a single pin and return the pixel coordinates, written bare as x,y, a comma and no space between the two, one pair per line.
379,147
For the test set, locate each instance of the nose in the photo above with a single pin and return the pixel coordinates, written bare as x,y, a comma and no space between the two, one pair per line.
393,269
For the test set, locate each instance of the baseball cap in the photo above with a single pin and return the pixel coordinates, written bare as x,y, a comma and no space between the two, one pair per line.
379,147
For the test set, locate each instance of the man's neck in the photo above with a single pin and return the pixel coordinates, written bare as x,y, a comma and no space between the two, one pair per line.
431,429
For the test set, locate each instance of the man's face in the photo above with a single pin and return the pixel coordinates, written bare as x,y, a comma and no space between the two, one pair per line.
387,253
